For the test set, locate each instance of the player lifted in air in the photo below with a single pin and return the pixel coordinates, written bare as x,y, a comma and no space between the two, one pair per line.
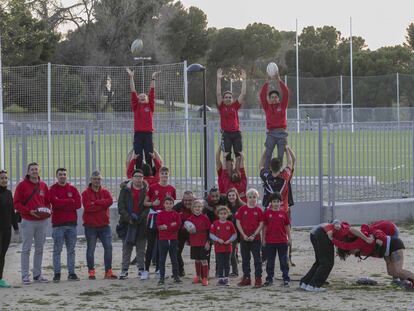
229,120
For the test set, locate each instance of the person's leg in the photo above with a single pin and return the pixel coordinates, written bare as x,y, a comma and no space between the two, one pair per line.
70,239
91,238
245,253
281,143
5,236
227,143
58,234
220,265
237,147
138,148
270,144
173,250
140,252
397,264
39,242
182,239
270,250
163,247
234,262
325,253
256,247
27,230
126,254
148,148
105,235
226,264
282,250
309,275
151,235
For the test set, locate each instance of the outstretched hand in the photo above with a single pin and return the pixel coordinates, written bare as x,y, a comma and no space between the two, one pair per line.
155,74
220,73
243,74
130,72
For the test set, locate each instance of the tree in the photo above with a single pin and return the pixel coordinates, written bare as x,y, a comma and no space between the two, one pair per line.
25,39
410,35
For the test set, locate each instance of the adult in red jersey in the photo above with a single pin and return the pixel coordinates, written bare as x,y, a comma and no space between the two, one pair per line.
276,122
151,174
96,202
65,200
237,179
30,195
389,248
143,106
229,119
386,226
320,237
154,200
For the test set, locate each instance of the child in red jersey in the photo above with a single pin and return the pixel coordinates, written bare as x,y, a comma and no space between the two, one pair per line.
199,242
276,236
223,234
249,221
229,120
168,224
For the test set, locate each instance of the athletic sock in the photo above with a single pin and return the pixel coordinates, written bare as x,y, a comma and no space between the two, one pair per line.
205,271
198,268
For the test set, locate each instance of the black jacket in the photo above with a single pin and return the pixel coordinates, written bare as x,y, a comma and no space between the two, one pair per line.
7,215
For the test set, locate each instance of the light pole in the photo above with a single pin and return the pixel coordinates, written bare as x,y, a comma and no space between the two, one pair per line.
201,68
142,59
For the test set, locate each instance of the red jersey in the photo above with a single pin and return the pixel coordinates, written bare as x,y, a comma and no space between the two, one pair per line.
223,231
41,198
276,222
225,183
279,183
202,225
157,191
65,201
96,206
365,248
229,117
135,198
149,179
250,219
143,112
173,222
275,113
388,227
338,234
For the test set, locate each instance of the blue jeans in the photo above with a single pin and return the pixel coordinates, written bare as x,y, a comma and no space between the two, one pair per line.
67,235
165,247
105,236
282,250
275,138
247,248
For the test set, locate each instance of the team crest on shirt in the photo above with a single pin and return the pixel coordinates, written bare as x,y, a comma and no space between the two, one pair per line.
245,213
255,213
168,194
146,109
70,194
218,227
156,192
270,216
279,109
42,193
228,228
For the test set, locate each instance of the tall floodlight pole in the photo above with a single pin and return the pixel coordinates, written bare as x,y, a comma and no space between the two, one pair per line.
2,153
351,73
297,78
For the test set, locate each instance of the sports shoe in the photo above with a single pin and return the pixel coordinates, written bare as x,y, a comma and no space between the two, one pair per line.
157,273
196,279
123,275
56,278
140,272
4,284
144,275
303,286
226,282
73,277
310,288
181,274
204,282
110,275
245,281
40,279
161,281
257,282
177,280
267,283
26,280
286,283
92,274
220,282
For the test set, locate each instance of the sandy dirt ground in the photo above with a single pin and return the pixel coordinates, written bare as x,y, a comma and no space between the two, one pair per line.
134,294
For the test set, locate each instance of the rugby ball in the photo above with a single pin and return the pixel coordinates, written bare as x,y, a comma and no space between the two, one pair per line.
43,212
137,46
272,69
189,226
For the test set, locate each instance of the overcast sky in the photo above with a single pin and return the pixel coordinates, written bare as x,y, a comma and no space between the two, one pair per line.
380,22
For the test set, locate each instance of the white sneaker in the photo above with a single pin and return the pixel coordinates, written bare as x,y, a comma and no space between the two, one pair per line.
319,289
303,286
123,275
157,274
309,288
144,275
140,273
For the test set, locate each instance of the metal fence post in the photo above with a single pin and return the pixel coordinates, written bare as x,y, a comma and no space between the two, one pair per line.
320,170
398,98
211,126
24,148
187,140
332,147
87,154
49,120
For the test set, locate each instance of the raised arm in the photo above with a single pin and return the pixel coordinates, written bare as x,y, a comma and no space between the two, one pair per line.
218,88
218,158
262,161
263,93
292,155
153,78
131,80
285,91
289,158
242,96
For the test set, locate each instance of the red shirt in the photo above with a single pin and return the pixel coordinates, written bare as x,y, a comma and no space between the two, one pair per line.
229,118
143,112
225,183
275,113
388,227
149,179
65,200
364,248
223,231
135,198
286,174
202,225
340,233
157,191
96,206
168,219
276,222
250,218
23,191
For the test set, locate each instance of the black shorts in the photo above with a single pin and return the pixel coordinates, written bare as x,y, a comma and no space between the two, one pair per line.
231,139
198,253
396,244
